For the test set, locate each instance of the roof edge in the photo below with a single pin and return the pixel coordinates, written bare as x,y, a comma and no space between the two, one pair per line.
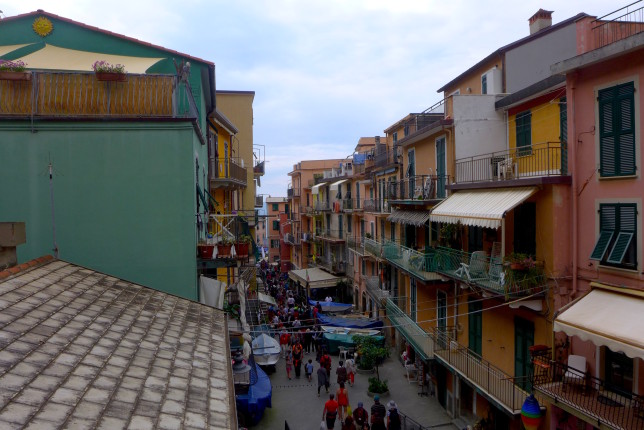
20,268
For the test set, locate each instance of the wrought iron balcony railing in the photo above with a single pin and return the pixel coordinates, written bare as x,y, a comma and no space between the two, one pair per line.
227,171
259,169
422,341
292,239
420,264
538,160
480,372
293,192
376,206
593,397
356,244
373,247
259,201
80,94
321,206
490,273
419,187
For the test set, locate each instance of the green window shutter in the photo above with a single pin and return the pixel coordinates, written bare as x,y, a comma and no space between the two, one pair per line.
524,133
617,130
601,246
620,248
276,225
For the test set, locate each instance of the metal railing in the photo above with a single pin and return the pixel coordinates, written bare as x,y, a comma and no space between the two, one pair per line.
259,169
81,94
376,206
330,234
292,239
356,244
336,267
418,263
259,201
491,273
381,157
538,160
227,169
593,397
625,24
418,187
480,372
422,121
422,341
373,247
293,192
321,205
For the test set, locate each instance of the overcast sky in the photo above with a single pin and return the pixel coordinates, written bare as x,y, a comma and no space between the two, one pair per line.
325,72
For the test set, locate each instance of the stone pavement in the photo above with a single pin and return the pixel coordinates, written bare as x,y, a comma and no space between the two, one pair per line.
296,401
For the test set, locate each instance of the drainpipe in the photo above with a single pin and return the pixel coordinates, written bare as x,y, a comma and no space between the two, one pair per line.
572,147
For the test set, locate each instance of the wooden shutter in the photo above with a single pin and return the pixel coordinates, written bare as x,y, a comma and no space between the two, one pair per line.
619,249
601,246
524,132
617,130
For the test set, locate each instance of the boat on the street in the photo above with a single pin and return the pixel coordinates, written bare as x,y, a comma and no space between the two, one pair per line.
266,350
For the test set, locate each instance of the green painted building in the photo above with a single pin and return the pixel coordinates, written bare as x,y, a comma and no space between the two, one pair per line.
127,158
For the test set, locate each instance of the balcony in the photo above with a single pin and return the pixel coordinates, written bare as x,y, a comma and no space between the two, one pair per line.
623,24
377,206
373,289
73,95
307,237
321,206
418,189
542,160
356,244
293,192
259,201
334,266
381,158
331,235
481,373
292,239
420,264
422,341
425,120
491,273
227,173
587,396
373,247
259,169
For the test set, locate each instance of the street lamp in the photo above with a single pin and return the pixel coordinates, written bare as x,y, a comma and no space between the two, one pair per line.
241,374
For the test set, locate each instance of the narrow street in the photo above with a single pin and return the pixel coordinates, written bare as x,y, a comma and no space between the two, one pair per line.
296,401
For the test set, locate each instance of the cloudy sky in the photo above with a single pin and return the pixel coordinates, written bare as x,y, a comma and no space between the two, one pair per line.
325,72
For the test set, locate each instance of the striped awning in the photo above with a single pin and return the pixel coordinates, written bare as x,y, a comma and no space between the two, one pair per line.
417,218
482,208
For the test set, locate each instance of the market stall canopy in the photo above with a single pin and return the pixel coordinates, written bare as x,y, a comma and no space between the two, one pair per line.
315,277
55,58
417,218
607,317
482,208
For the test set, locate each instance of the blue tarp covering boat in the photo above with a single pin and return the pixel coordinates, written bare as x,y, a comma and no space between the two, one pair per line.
349,322
253,404
332,306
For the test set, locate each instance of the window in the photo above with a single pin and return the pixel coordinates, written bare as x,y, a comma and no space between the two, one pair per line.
395,136
406,130
617,130
484,84
392,230
364,267
616,245
276,225
275,243
349,224
276,207
524,133
361,228
412,298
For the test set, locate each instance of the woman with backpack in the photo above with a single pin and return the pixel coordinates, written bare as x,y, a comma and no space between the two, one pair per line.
393,417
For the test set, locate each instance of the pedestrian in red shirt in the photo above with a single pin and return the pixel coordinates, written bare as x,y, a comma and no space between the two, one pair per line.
330,412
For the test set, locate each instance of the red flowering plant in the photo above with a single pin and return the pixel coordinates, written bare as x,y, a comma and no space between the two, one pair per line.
105,67
12,66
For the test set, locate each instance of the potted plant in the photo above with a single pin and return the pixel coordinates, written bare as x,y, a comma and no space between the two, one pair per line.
371,352
223,248
367,235
376,386
204,250
518,261
109,72
243,244
14,70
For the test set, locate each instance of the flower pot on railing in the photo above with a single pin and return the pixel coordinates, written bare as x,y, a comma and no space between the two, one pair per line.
223,250
111,76
205,251
242,248
15,76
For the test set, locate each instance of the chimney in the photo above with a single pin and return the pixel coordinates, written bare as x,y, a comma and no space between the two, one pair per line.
540,20
12,234
377,138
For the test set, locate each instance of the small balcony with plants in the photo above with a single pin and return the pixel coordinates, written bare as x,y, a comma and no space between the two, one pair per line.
421,264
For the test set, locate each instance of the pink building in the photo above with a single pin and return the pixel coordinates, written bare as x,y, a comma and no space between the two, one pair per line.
599,339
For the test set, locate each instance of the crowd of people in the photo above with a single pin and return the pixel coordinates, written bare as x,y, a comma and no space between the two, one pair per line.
299,333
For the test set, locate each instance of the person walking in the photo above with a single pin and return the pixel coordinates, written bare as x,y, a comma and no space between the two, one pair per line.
308,338
341,373
351,369
289,364
330,412
343,400
393,418
348,424
297,358
285,339
378,413
308,370
360,416
325,361
323,379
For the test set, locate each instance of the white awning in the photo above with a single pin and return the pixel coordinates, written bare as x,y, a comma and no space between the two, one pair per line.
335,185
483,208
607,317
266,299
316,188
55,58
315,277
417,218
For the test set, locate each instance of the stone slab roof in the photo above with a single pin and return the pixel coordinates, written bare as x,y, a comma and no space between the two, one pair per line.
81,349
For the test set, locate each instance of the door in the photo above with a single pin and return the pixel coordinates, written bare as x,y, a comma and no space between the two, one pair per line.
525,229
340,226
523,340
412,299
475,325
441,316
411,172
441,164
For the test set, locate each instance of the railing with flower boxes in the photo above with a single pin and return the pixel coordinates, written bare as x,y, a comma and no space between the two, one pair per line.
81,94
420,264
591,396
537,160
418,187
514,277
